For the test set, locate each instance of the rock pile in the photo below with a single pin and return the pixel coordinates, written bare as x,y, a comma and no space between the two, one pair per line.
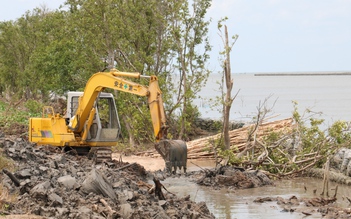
234,177
316,207
215,125
54,184
341,161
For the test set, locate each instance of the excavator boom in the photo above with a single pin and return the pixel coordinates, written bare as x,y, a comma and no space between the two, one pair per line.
113,80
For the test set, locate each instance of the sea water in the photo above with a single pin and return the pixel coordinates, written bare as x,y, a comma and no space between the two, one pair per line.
326,97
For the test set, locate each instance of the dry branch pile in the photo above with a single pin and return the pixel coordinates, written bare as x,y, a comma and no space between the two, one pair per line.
239,138
281,147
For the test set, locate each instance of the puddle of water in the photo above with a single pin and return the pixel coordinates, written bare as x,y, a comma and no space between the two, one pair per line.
194,165
239,204
153,164
226,203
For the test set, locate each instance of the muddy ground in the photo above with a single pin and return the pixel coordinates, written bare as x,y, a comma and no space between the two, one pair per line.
314,205
51,184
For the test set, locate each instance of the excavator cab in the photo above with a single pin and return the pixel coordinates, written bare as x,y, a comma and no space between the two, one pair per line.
104,126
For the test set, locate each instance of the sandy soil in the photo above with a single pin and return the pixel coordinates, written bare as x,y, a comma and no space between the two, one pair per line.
157,163
149,163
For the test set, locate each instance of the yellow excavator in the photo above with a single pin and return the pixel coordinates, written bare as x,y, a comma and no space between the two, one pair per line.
91,123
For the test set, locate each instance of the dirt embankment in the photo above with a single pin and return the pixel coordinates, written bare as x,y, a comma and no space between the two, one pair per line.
53,184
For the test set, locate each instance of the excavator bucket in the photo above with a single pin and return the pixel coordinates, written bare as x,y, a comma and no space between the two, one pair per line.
174,153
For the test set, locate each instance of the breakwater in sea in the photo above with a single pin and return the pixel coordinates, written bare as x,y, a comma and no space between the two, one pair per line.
341,73
324,97
214,125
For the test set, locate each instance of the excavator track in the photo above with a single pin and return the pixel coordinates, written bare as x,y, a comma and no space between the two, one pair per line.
97,154
101,154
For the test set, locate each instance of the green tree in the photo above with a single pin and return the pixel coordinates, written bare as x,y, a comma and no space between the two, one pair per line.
14,56
189,30
57,51
123,34
36,54
57,60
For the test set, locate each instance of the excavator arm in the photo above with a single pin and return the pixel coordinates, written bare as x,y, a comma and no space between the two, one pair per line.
114,80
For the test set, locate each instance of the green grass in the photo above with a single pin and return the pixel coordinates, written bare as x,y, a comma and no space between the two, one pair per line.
19,114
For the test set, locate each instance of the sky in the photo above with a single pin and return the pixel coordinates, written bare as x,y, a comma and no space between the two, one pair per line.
274,35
